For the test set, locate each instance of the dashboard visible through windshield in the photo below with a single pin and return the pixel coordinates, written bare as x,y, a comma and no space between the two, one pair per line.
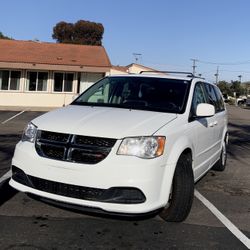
141,93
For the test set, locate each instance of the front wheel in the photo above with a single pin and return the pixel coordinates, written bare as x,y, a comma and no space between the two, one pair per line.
182,192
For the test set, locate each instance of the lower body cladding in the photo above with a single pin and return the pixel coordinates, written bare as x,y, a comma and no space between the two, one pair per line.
118,184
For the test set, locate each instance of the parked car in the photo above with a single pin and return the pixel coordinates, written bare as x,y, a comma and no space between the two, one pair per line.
241,100
248,102
130,145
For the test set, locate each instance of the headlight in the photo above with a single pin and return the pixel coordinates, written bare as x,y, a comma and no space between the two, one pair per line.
144,147
29,133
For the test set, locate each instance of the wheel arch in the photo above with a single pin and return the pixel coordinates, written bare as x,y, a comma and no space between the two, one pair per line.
182,190
182,146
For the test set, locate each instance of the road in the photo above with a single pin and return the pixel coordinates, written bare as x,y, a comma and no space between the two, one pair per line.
29,224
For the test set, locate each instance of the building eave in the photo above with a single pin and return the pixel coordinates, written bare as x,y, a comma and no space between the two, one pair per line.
53,67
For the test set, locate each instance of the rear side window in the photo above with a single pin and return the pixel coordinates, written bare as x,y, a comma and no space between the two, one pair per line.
220,98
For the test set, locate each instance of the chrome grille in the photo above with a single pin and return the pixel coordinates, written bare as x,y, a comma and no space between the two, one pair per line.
73,148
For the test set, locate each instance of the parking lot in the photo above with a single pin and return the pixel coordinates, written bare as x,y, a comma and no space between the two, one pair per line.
29,224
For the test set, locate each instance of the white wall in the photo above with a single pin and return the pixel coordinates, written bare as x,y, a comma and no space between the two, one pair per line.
117,72
31,99
49,99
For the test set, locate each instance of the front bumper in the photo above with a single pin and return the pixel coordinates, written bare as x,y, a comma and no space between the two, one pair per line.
120,184
120,195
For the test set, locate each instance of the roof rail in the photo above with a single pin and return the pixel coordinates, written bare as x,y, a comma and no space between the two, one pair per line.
188,74
168,72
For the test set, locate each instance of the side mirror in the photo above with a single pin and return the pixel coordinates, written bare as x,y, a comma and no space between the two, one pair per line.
205,110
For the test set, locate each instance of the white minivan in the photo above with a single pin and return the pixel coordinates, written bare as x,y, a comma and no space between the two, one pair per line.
129,145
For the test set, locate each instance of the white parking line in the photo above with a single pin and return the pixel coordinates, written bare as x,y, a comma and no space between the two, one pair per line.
5,176
13,117
231,227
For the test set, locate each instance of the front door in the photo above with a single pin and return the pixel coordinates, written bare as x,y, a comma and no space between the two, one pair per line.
202,131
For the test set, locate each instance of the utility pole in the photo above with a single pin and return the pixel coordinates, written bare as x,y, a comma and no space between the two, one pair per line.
194,65
240,76
217,75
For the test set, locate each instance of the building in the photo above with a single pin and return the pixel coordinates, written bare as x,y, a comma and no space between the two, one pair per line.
35,74
132,68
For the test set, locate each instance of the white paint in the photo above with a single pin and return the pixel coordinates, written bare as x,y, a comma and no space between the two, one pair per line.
11,118
5,176
231,227
103,121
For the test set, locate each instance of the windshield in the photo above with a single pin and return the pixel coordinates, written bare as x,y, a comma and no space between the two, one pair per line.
142,93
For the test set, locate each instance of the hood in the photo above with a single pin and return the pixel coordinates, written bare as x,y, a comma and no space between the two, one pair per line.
103,121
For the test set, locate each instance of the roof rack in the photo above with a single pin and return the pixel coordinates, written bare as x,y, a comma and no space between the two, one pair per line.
188,74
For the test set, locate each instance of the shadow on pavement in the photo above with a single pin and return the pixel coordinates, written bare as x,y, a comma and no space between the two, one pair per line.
6,192
239,138
7,145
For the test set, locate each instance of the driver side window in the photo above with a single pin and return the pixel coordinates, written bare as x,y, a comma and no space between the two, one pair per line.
198,97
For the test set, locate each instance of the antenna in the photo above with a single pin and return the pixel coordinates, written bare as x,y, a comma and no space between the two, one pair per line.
137,56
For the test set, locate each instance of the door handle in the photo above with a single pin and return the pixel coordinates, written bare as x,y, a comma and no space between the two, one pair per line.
211,124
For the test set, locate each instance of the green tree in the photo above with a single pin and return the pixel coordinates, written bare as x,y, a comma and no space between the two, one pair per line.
225,88
2,36
82,32
63,32
237,88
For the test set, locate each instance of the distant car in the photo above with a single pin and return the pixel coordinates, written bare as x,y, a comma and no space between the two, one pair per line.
241,100
248,102
130,144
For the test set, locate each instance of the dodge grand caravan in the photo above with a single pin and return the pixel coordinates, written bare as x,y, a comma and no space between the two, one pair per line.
130,145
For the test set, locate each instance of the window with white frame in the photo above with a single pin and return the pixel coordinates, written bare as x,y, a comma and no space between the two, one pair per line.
10,79
37,81
63,82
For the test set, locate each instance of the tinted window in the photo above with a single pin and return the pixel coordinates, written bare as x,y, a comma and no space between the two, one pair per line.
68,82
144,93
58,82
4,79
15,80
219,98
212,98
198,97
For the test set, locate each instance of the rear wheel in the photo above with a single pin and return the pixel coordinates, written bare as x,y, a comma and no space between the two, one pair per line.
182,192
220,165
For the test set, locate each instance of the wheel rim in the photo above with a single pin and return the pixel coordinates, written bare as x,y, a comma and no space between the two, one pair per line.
223,154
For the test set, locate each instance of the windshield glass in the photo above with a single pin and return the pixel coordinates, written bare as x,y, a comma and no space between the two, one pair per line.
143,93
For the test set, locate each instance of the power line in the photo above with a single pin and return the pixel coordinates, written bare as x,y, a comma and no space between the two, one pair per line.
225,63
236,71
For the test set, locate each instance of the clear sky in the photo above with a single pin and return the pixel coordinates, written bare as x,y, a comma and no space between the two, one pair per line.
167,33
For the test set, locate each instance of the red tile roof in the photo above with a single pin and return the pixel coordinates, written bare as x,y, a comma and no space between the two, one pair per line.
53,53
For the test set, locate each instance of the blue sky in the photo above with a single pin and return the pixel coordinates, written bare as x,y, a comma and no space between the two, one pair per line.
166,33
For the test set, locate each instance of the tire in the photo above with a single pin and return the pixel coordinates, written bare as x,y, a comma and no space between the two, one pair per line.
182,194
220,165
240,103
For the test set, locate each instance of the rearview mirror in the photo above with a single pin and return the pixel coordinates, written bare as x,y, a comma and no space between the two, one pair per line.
205,110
